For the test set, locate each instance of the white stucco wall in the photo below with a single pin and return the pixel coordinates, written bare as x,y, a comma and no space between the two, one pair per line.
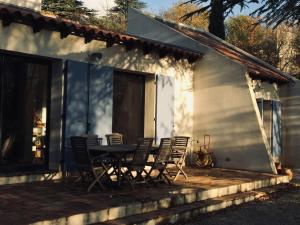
49,44
290,99
20,38
30,4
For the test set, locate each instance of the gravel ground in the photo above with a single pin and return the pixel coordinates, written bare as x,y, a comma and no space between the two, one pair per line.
281,209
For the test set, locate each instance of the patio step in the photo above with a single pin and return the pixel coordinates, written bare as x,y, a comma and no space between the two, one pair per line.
186,212
182,201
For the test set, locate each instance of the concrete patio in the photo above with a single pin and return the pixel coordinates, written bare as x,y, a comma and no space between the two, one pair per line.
55,202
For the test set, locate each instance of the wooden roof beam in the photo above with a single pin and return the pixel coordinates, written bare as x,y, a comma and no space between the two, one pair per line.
146,48
162,53
192,59
38,25
129,45
6,19
89,36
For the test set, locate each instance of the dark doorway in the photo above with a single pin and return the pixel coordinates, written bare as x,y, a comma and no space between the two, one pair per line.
24,113
128,105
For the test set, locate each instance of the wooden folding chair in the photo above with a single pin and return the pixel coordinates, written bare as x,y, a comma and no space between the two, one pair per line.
178,155
138,163
160,162
114,139
91,169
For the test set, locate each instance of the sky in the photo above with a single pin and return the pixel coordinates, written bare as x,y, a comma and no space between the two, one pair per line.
153,6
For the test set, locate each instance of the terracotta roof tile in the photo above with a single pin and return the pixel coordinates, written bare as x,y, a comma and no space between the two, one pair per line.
38,21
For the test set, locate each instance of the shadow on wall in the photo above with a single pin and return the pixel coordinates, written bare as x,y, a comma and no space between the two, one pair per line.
45,43
291,131
236,139
216,71
101,100
31,4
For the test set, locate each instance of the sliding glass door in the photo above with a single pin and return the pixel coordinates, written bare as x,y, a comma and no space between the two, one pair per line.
24,107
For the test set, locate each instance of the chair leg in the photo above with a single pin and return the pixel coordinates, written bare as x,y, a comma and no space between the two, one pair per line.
97,181
76,180
180,170
148,177
166,178
128,178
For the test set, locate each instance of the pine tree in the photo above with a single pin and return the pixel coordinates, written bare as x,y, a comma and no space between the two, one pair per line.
276,12
218,11
123,5
117,16
70,9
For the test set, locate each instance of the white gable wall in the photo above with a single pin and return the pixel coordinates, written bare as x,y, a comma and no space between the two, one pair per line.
225,108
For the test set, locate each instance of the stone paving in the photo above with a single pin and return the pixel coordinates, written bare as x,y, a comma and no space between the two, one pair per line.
48,200
282,209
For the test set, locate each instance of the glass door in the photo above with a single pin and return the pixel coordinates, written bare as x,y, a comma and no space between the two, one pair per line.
24,113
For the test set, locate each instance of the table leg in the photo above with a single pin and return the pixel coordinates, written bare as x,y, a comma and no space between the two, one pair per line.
119,171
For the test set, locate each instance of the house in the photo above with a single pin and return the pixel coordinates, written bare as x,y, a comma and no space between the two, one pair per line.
60,78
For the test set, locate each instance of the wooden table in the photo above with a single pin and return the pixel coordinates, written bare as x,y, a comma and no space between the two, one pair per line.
119,152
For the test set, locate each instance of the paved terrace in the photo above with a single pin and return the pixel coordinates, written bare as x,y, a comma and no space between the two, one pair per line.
50,201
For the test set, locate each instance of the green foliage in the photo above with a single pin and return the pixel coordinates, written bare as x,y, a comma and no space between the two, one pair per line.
276,12
296,47
218,11
116,17
260,41
279,47
122,6
178,10
70,9
296,44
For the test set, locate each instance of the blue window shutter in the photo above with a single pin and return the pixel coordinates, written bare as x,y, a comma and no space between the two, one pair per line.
165,89
100,100
76,106
276,129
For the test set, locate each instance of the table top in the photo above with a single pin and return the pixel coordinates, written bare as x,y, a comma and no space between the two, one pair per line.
114,148
122,148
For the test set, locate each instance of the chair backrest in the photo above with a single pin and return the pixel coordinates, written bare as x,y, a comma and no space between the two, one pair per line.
142,152
93,140
180,141
164,150
81,154
114,139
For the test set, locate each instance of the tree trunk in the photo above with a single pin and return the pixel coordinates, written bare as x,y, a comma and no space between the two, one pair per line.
216,19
